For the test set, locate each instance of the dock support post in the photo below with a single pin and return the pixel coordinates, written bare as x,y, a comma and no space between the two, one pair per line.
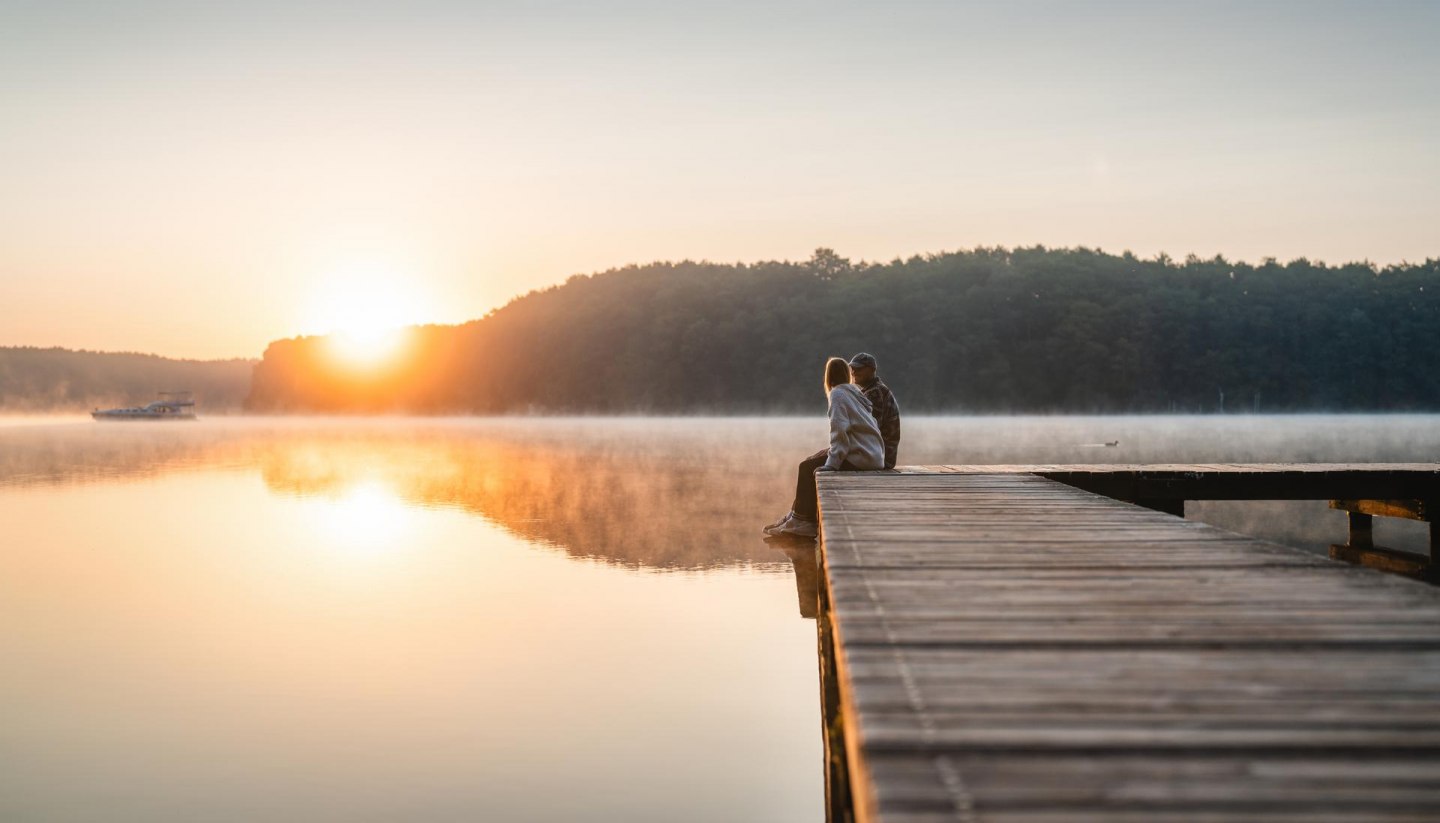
1428,508
1434,545
1362,530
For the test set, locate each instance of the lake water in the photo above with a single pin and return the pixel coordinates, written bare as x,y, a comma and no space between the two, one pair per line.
472,619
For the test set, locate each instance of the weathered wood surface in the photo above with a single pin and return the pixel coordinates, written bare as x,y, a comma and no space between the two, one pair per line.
1009,648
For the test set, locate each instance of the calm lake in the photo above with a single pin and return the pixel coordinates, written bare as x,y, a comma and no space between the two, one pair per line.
247,619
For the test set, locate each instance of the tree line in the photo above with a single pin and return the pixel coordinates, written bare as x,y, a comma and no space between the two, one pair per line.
54,379
984,330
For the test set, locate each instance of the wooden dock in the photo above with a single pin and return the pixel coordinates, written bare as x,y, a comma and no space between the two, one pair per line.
997,645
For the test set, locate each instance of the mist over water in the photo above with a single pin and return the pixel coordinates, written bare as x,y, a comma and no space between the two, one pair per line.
684,492
448,618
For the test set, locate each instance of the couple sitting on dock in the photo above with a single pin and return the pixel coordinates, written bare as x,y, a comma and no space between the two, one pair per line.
864,436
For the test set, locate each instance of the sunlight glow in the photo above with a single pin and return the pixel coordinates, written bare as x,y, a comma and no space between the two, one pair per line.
367,346
365,307
367,519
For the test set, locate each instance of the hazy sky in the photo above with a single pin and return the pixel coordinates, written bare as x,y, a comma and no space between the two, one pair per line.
196,179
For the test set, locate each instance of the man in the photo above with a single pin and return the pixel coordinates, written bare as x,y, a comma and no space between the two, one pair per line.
800,521
882,403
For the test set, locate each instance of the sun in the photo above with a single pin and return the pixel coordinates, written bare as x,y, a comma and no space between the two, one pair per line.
365,310
367,346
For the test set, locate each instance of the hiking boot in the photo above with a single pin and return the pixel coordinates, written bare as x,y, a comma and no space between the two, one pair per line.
774,527
798,527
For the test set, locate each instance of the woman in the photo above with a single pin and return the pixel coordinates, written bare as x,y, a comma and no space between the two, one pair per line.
855,445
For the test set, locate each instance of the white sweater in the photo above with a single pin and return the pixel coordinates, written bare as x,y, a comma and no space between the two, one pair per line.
854,434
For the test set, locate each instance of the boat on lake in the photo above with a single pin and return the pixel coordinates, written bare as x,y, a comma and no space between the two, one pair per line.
172,405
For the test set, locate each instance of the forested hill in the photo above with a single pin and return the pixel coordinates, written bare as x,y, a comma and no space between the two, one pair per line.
55,379
984,330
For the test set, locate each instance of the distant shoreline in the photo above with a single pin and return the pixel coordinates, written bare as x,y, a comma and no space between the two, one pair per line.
21,418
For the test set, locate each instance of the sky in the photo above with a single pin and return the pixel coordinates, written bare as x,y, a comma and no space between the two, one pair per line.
198,179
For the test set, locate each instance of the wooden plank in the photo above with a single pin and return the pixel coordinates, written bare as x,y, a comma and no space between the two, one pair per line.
1007,647
1142,788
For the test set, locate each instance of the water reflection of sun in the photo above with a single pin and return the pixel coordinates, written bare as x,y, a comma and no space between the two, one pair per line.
366,518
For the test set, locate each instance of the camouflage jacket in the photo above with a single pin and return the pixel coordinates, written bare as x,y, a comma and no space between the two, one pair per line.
887,415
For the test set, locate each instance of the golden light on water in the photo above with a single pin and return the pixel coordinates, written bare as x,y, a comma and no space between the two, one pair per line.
369,619
367,518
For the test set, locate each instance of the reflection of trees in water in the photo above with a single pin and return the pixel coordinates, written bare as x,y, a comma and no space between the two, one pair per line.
632,507
89,452
656,493
676,492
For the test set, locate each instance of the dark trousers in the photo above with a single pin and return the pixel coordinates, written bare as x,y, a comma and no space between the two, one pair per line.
805,504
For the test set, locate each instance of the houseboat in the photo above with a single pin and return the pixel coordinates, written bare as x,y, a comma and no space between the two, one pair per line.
171,406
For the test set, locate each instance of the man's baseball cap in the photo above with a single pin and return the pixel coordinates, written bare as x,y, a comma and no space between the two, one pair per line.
862,360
